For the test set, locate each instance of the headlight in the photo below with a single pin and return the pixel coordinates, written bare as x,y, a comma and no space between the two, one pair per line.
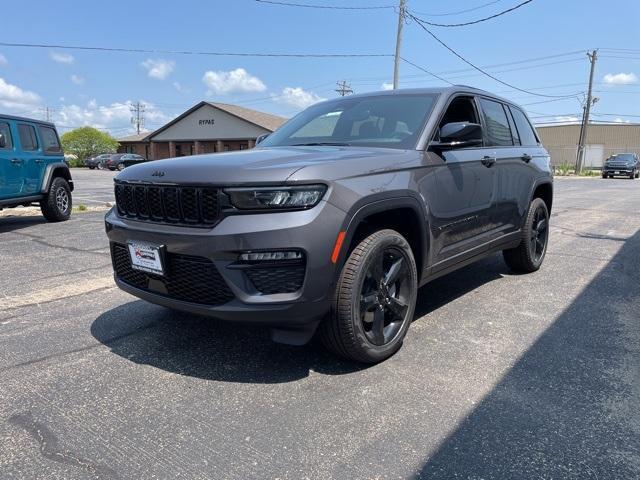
261,198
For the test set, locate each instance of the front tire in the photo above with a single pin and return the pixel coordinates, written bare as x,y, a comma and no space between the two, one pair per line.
120,167
375,299
57,204
528,256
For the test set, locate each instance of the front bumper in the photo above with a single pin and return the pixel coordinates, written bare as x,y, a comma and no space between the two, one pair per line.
312,231
618,170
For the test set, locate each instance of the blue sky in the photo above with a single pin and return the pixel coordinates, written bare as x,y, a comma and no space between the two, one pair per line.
96,88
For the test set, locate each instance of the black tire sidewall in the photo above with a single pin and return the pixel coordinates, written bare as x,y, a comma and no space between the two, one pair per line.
536,204
367,351
51,210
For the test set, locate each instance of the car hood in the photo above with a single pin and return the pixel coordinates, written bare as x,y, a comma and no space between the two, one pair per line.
259,165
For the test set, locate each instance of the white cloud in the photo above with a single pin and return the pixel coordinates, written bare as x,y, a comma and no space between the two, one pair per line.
234,81
620,78
566,118
3,60
158,68
178,86
12,96
297,97
115,116
386,86
61,57
621,120
77,79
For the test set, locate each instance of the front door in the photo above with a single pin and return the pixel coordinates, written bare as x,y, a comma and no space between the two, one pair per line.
11,167
459,190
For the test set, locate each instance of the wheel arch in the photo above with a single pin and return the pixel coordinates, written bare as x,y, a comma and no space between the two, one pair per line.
54,170
401,211
544,190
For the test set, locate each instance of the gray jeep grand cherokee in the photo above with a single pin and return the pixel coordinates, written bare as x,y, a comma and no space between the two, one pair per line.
336,219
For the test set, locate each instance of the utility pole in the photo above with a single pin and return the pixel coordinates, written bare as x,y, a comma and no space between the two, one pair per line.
48,113
396,65
593,56
344,88
137,117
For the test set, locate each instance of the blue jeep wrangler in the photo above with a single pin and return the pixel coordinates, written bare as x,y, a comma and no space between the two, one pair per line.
32,168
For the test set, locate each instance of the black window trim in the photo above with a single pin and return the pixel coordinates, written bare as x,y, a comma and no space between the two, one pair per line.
35,136
11,146
55,132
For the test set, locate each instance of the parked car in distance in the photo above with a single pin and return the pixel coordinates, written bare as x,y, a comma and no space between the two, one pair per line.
97,161
337,218
32,168
132,159
621,164
118,161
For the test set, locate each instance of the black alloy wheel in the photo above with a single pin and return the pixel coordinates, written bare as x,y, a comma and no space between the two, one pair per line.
384,296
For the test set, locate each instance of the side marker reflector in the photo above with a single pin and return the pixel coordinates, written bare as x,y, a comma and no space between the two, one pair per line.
337,247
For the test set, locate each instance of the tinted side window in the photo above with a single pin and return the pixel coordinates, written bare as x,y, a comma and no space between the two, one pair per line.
28,138
496,123
50,141
525,130
5,133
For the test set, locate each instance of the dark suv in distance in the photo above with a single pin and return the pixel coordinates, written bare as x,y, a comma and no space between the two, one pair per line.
336,219
621,164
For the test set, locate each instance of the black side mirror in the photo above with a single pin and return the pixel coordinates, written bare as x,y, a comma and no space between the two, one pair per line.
3,142
261,138
458,135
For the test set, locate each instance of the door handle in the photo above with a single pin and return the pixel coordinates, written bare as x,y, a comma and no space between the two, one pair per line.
526,157
16,161
39,160
488,161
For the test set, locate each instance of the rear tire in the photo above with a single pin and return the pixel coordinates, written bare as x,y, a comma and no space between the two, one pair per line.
374,301
120,167
528,256
57,204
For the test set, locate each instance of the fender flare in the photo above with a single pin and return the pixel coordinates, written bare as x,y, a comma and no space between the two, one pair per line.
381,202
58,169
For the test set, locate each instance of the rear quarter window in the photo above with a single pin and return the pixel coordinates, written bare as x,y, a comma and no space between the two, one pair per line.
527,135
50,142
5,135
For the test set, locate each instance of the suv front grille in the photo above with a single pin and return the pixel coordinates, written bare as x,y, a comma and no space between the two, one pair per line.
188,278
188,206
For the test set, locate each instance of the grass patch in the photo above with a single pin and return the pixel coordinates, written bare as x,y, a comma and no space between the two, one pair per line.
80,208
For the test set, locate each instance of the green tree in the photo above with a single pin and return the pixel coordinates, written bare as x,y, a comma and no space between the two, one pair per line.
86,142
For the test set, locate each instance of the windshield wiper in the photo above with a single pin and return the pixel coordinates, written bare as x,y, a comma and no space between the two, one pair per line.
320,144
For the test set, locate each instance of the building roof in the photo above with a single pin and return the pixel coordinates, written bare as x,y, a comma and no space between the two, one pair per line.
135,138
262,119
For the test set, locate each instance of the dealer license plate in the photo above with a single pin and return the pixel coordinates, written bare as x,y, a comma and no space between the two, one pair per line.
146,257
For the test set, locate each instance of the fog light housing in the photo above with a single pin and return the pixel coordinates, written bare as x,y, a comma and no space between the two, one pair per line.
272,256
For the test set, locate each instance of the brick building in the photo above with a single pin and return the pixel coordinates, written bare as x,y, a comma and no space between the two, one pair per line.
205,128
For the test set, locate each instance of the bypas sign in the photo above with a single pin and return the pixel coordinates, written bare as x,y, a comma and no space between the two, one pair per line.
206,121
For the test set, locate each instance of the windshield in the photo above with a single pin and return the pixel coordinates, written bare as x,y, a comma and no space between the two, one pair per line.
623,157
393,121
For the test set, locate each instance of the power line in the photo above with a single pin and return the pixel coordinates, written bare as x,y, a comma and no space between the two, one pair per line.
479,20
324,7
419,22
190,52
459,11
426,71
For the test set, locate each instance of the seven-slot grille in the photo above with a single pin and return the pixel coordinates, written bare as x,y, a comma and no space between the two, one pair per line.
192,206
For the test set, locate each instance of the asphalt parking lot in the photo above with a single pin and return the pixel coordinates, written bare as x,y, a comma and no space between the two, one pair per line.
502,376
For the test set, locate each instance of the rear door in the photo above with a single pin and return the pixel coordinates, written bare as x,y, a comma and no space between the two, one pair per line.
11,166
512,173
31,156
